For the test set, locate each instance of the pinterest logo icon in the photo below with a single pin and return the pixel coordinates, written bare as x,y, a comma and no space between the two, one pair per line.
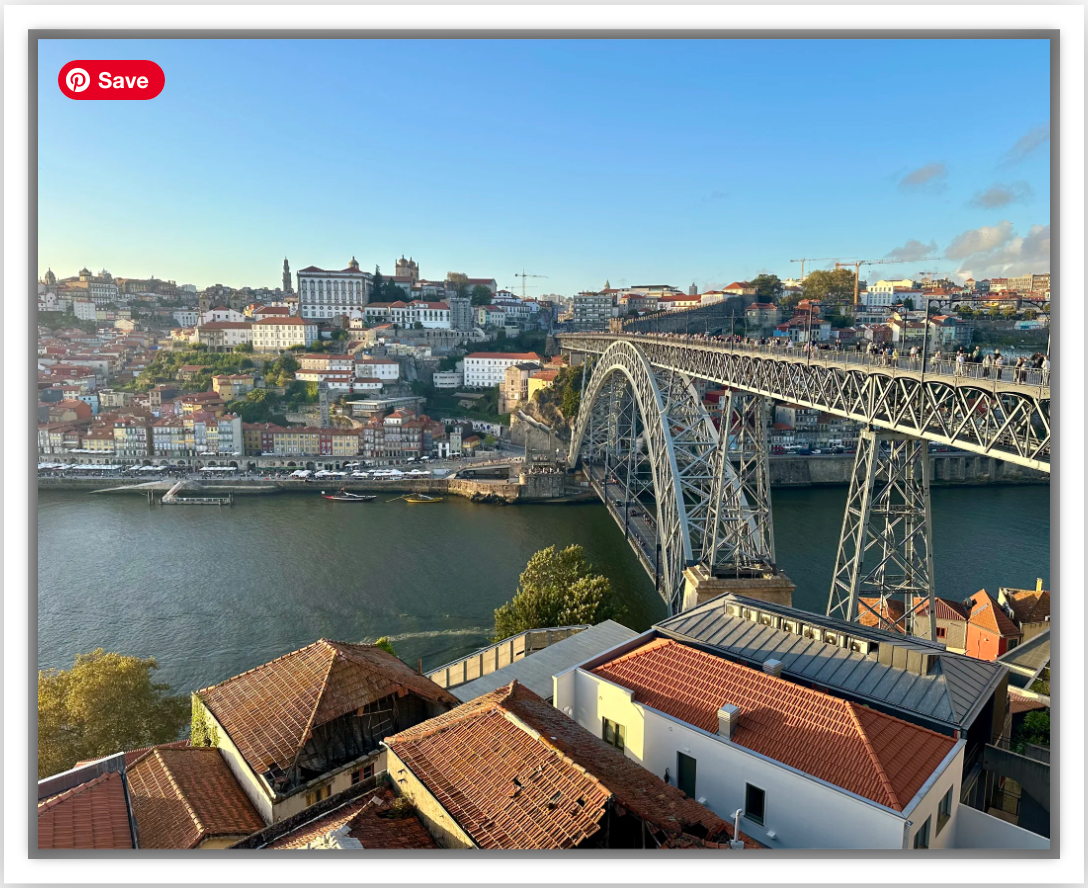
77,80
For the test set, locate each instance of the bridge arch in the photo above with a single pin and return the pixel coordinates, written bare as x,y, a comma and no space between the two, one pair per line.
687,462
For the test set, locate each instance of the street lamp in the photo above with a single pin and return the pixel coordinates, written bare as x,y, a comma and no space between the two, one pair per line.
925,340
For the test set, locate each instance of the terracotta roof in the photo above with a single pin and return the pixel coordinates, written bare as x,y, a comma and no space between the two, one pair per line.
945,609
226,325
987,614
1028,605
516,773
269,712
863,751
366,820
1019,703
274,321
514,356
181,797
892,610
91,815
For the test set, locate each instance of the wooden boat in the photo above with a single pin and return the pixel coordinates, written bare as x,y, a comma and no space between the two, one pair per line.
423,498
344,496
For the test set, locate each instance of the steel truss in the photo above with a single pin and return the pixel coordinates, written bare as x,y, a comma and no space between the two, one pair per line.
644,430
1004,420
884,566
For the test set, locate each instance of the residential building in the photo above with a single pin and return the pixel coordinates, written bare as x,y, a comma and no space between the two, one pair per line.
188,798
323,294
740,288
83,309
385,369
230,386
729,733
990,632
486,369
280,333
222,313
86,808
677,301
324,361
592,311
541,379
429,315
222,336
187,317
1029,609
762,314
132,438
336,380
308,725
514,390
539,781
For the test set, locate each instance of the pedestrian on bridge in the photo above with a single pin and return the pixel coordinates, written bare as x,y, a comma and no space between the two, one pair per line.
1046,369
961,360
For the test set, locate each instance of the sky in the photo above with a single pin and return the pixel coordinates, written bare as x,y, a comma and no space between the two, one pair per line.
585,161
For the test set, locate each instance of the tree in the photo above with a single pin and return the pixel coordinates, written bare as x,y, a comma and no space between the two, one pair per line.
385,644
459,280
908,304
768,288
555,589
481,295
418,325
105,703
245,348
830,286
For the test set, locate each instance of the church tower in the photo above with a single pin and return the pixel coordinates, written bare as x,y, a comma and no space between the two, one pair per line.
286,276
353,264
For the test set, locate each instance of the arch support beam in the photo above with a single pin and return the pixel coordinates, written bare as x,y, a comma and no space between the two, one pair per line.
884,565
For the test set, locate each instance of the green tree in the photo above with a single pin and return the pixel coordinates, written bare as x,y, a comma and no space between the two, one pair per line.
481,295
105,703
830,286
768,288
908,304
459,280
386,645
555,589
246,348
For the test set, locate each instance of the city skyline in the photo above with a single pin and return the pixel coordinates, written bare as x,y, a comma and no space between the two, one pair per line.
633,162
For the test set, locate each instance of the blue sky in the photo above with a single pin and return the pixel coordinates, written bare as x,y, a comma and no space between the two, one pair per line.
583,160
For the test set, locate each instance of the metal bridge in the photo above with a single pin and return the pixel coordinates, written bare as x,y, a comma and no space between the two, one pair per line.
686,495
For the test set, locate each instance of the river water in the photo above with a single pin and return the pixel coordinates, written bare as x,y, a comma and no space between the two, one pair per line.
212,592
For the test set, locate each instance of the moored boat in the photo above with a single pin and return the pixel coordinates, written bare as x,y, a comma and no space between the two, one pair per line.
423,498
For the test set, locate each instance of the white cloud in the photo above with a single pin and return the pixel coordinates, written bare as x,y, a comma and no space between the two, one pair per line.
979,240
932,175
1001,195
1029,254
1027,143
912,251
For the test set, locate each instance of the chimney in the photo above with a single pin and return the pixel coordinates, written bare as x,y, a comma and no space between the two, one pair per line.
1038,584
728,719
773,667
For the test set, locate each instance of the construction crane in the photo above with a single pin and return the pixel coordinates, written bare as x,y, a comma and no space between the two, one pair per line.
803,261
857,263
523,276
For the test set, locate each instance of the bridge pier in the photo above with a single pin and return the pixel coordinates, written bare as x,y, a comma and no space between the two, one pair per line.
884,565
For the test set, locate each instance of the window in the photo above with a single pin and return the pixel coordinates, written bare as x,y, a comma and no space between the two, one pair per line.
685,774
921,838
312,798
614,734
755,803
941,632
944,810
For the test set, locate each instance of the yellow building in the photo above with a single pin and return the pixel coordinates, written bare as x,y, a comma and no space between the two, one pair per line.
541,379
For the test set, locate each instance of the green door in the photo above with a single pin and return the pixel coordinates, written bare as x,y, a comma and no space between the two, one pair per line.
685,773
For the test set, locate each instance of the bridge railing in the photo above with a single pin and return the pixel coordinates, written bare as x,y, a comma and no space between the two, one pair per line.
936,366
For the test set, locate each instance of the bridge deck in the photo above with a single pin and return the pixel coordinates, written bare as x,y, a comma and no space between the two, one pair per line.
633,518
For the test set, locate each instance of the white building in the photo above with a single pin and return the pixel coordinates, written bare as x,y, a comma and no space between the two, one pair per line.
337,380
275,334
342,363
323,294
385,369
485,369
806,769
221,313
219,335
431,315
448,379
187,317
83,309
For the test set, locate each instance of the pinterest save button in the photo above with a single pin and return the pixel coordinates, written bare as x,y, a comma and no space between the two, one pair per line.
128,79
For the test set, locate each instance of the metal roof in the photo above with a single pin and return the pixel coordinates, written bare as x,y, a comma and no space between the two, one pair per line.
951,692
1029,657
536,670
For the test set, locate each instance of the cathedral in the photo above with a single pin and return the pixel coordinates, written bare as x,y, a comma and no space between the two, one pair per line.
407,268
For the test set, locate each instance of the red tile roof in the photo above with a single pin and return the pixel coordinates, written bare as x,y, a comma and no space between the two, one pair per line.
891,610
866,752
368,821
514,356
516,773
986,613
182,797
292,321
90,816
270,711
1029,605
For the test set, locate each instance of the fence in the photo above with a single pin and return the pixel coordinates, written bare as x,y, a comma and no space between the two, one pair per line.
503,653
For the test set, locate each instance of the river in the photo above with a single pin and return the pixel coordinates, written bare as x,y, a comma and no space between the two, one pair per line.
212,592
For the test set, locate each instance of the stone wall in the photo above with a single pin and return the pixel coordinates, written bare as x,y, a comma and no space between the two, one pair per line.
945,469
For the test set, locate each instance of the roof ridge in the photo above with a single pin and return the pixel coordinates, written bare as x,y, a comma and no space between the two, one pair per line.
200,828
320,693
74,791
881,773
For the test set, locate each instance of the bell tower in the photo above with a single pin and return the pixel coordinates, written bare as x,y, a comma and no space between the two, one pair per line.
286,276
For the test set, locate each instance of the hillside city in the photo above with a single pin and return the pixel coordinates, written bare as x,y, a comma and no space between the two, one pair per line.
720,727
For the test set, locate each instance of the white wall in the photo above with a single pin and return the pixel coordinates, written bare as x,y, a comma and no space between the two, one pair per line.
803,812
